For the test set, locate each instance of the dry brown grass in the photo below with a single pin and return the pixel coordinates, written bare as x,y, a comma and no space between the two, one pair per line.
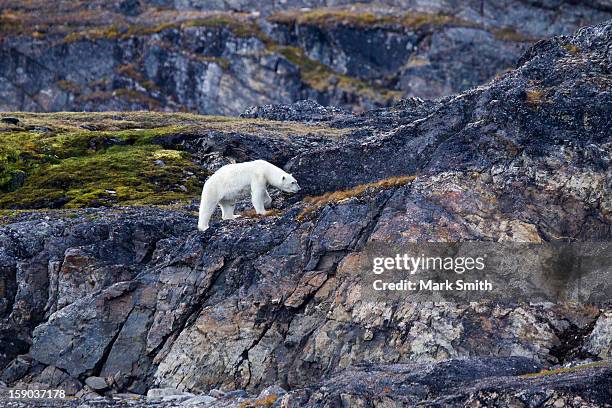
315,203
260,402
567,369
130,71
274,212
174,122
510,34
534,96
74,21
571,48
331,17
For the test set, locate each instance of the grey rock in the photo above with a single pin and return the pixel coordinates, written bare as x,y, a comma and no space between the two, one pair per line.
167,392
272,390
54,378
16,369
177,399
431,385
10,120
236,394
599,342
216,393
200,399
303,111
98,384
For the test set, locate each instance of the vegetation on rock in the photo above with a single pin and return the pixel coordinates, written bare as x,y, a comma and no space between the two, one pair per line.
69,160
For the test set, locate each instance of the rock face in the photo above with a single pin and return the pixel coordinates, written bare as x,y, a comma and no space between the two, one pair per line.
219,58
138,295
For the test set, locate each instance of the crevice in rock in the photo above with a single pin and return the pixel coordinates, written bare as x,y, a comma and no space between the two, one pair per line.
97,369
570,343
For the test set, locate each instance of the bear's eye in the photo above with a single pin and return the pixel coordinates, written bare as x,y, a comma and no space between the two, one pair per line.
294,182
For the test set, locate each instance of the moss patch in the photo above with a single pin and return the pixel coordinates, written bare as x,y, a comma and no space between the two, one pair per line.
126,175
82,170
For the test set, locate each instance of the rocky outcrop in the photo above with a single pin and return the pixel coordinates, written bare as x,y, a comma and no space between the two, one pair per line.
134,55
137,296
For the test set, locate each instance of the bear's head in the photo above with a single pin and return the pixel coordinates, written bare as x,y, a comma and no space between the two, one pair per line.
289,184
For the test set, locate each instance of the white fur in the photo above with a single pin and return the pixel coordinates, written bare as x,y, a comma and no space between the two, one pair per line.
233,181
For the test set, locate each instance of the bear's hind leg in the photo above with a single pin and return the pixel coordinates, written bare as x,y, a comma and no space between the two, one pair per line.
227,210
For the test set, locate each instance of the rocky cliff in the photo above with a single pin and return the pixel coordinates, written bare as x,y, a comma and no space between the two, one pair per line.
133,299
216,57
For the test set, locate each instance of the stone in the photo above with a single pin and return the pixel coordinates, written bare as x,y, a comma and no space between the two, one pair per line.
599,342
166,392
10,120
16,369
236,394
199,399
98,384
272,390
215,393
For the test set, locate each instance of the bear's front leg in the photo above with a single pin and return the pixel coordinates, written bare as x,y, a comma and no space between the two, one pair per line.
227,210
206,210
258,194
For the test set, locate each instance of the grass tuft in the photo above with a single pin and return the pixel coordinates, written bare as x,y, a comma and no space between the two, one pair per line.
318,202
567,369
330,17
510,34
534,96
260,402
571,48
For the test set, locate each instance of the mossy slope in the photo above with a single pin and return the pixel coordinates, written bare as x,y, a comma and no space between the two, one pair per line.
70,160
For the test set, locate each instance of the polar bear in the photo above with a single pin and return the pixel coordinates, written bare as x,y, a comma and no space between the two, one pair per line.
233,181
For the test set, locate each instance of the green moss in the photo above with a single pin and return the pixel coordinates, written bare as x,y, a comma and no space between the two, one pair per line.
120,174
